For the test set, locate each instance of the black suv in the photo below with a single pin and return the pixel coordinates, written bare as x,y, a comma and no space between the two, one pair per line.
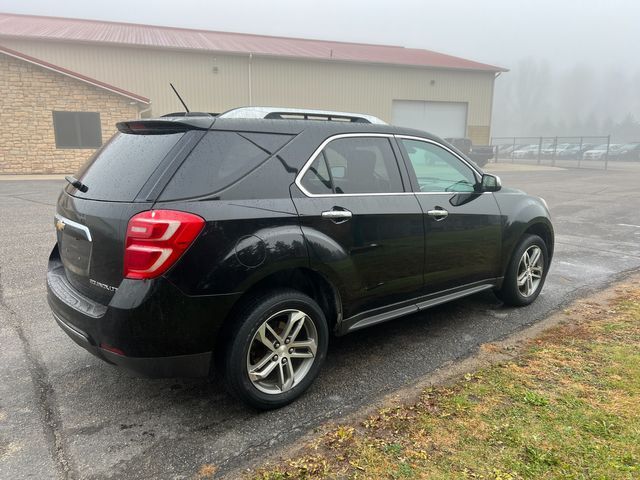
242,241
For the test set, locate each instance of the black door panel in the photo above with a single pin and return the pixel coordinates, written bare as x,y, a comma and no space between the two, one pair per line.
376,256
463,229
463,246
363,230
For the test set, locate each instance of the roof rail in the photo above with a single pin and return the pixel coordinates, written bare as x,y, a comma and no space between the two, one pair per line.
299,114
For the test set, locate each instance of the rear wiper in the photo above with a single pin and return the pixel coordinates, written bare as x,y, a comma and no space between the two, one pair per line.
76,183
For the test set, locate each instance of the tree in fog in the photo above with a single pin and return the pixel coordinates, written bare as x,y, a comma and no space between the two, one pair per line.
590,126
613,94
535,99
628,130
522,98
571,99
533,82
635,94
607,126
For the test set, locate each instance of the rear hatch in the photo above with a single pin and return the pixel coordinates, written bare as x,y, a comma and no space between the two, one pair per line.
122,179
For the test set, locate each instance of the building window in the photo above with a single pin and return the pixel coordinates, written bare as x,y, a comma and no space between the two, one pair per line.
77,129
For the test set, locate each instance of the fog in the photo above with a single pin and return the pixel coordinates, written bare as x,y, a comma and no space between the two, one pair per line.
574,65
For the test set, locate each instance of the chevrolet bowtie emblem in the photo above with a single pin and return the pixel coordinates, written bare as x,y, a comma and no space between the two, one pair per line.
60,225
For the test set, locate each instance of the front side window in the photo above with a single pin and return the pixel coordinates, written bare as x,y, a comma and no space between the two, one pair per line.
354,165
77,129
437,169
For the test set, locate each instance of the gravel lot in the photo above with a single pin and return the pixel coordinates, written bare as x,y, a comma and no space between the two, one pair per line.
65,414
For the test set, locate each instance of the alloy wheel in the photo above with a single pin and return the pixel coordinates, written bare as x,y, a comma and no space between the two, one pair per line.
530,270
282,351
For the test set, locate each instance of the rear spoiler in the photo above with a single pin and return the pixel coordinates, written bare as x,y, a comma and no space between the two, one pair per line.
165,125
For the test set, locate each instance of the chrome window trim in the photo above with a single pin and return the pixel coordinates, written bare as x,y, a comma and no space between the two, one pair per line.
317,151
438,144
451,193
307,165
76,225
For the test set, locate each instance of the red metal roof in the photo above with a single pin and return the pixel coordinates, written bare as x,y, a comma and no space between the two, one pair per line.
93,31
76,75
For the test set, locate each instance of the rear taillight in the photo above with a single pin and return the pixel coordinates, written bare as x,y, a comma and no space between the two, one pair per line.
156,239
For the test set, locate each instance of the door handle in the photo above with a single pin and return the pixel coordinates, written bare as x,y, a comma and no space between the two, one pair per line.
336,215
438,214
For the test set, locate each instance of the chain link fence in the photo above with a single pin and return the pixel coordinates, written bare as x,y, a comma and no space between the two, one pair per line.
568,152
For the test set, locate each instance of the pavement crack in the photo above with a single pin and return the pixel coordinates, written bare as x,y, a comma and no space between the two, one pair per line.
19,197
250,452
45,396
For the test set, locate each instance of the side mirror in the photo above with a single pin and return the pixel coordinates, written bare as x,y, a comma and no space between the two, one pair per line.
490,183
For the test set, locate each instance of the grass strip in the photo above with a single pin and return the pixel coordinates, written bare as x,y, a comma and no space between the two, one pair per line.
568,407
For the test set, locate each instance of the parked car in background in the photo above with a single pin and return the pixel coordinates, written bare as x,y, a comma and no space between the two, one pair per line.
551,150
602,151
628,151
503,149
480,154
528,151
239,243
506,150
575,151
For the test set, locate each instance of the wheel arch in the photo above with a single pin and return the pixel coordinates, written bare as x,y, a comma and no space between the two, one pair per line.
301,279
544,231
537,225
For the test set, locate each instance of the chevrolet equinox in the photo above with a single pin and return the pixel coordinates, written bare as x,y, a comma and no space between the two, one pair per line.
238,243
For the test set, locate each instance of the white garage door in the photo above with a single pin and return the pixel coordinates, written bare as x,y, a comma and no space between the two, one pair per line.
445,119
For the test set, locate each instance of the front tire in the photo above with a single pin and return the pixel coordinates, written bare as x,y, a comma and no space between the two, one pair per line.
526,273
276,349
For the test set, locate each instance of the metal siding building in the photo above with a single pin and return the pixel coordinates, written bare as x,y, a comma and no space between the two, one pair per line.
216,71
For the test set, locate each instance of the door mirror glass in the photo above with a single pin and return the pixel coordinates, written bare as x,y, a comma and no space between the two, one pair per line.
490,183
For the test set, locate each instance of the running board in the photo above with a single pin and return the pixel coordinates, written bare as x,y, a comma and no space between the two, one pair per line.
452,296
416,307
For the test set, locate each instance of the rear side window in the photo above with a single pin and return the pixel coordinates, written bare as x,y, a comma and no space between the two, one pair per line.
119,170
220,159
317,180
354,165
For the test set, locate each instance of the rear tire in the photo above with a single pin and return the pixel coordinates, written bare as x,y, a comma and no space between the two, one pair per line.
526,272
275,349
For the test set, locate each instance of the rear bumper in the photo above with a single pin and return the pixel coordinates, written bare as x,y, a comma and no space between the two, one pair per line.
149,327
195,365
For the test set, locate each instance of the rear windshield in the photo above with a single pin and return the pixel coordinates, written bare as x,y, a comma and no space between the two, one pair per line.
121,167
220,159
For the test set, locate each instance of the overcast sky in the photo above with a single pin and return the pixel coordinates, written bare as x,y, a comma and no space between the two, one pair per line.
494,31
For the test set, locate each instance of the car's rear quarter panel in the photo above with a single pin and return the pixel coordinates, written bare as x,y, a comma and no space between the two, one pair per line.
242,242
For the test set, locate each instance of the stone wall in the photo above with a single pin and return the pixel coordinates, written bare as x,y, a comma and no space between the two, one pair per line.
29,95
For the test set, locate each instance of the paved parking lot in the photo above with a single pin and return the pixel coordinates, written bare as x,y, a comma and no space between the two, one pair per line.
65,414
